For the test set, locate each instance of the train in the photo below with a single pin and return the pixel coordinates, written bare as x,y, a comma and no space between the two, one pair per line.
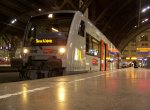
147,62
65,42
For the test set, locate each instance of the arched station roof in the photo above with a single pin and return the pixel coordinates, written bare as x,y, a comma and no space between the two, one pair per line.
117,19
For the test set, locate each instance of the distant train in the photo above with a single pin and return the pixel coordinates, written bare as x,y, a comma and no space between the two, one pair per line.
65,42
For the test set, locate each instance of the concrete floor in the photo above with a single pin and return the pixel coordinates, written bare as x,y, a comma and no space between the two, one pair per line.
123,89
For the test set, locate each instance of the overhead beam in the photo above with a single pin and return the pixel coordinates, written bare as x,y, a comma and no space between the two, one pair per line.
13,5
8,11
131,35
5,40
85,5
72,5
18,16
30,4
119,36
115,14
92,11
101,15
56,7
46,5
123,27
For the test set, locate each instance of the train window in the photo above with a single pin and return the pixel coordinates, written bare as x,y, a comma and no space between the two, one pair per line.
32,33
81,28
45,31
92,46
95,47
88,44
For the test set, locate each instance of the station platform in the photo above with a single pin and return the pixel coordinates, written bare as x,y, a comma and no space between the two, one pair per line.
122,89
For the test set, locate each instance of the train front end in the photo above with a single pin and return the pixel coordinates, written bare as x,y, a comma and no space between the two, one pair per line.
45,43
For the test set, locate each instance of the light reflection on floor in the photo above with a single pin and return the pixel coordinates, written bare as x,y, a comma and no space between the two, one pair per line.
123,89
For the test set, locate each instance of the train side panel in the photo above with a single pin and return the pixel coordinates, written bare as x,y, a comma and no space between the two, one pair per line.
92,62
76,57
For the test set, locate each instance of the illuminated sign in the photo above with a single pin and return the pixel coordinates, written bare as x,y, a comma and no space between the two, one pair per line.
107,58
113,53
40,41
133,58
77,55
143,52
143,49
113,50
127,58
94,61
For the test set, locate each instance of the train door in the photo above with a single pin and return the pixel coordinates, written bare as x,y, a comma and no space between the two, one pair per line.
106,56
103,56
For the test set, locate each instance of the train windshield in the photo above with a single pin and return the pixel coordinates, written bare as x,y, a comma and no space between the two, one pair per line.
49,30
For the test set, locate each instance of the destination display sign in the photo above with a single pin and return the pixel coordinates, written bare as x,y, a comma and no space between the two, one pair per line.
44,41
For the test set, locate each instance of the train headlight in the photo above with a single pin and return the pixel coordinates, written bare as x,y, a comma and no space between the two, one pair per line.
62,50
25,50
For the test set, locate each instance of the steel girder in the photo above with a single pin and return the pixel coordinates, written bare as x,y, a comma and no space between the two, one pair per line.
115,14
131,35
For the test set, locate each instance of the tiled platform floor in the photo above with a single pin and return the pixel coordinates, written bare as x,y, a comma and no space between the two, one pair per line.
123,89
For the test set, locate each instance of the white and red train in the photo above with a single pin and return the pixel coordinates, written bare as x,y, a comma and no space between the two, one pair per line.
66,42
